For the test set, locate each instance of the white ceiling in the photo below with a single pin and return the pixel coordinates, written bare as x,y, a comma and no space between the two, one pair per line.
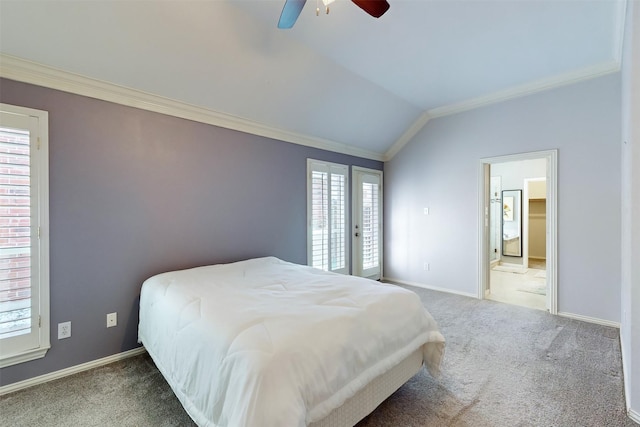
345,78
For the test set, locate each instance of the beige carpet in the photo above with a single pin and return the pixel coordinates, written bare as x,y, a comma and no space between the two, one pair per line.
504,366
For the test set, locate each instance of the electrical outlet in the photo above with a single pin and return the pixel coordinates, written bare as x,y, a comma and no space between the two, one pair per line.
112,320
64,330
425,211
425,266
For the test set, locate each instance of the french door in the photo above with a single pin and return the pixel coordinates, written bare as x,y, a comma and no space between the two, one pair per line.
367,222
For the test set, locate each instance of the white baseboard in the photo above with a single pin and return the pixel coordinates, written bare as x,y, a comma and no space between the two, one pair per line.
433,288
590,319
511,264
449,291
10,388
635,416
625,379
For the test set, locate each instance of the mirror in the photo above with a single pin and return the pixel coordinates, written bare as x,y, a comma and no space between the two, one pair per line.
512,222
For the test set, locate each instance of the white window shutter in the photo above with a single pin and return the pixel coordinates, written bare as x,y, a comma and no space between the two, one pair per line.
24,247
327,216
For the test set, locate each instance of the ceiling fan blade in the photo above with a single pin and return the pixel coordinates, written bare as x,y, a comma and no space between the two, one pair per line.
290,13
375,8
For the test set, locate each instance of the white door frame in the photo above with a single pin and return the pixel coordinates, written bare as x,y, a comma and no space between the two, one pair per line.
498,245
551,156
357,263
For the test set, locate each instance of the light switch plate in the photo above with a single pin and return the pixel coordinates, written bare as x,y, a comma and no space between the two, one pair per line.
64,330
112,320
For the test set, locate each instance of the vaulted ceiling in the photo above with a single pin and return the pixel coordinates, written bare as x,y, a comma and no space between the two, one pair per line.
344,81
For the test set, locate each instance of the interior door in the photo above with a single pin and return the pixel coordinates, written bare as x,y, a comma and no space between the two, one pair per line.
367,223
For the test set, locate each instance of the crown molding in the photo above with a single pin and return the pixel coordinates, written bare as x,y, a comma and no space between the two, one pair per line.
620,24
25,71
537,86
415,127
14,68
542,85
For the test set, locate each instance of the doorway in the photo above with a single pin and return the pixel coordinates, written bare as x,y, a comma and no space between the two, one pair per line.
367,222
515,194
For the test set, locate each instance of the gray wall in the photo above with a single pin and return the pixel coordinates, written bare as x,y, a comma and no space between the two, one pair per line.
630,327
135,193
439,169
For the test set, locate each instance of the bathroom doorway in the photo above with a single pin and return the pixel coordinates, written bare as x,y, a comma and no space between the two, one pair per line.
517,233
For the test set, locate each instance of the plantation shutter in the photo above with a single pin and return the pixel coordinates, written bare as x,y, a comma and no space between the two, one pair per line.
370,225
24,311
327,216
319,226
15,233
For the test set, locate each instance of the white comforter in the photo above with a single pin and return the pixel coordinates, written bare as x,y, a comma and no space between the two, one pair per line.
268,343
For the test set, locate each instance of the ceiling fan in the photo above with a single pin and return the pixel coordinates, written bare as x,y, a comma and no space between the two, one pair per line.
292,9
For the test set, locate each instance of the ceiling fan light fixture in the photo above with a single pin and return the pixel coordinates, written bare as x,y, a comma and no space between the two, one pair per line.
326,6
292,9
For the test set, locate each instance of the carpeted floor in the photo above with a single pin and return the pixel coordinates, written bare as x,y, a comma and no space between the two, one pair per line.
504,366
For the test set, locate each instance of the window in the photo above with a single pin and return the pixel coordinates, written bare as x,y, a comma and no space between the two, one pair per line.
370,225
327,216
24,242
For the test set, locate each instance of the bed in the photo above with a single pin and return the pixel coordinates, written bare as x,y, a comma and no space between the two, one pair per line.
264,342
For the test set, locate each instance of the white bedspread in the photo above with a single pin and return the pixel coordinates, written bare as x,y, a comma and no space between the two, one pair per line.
268,343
